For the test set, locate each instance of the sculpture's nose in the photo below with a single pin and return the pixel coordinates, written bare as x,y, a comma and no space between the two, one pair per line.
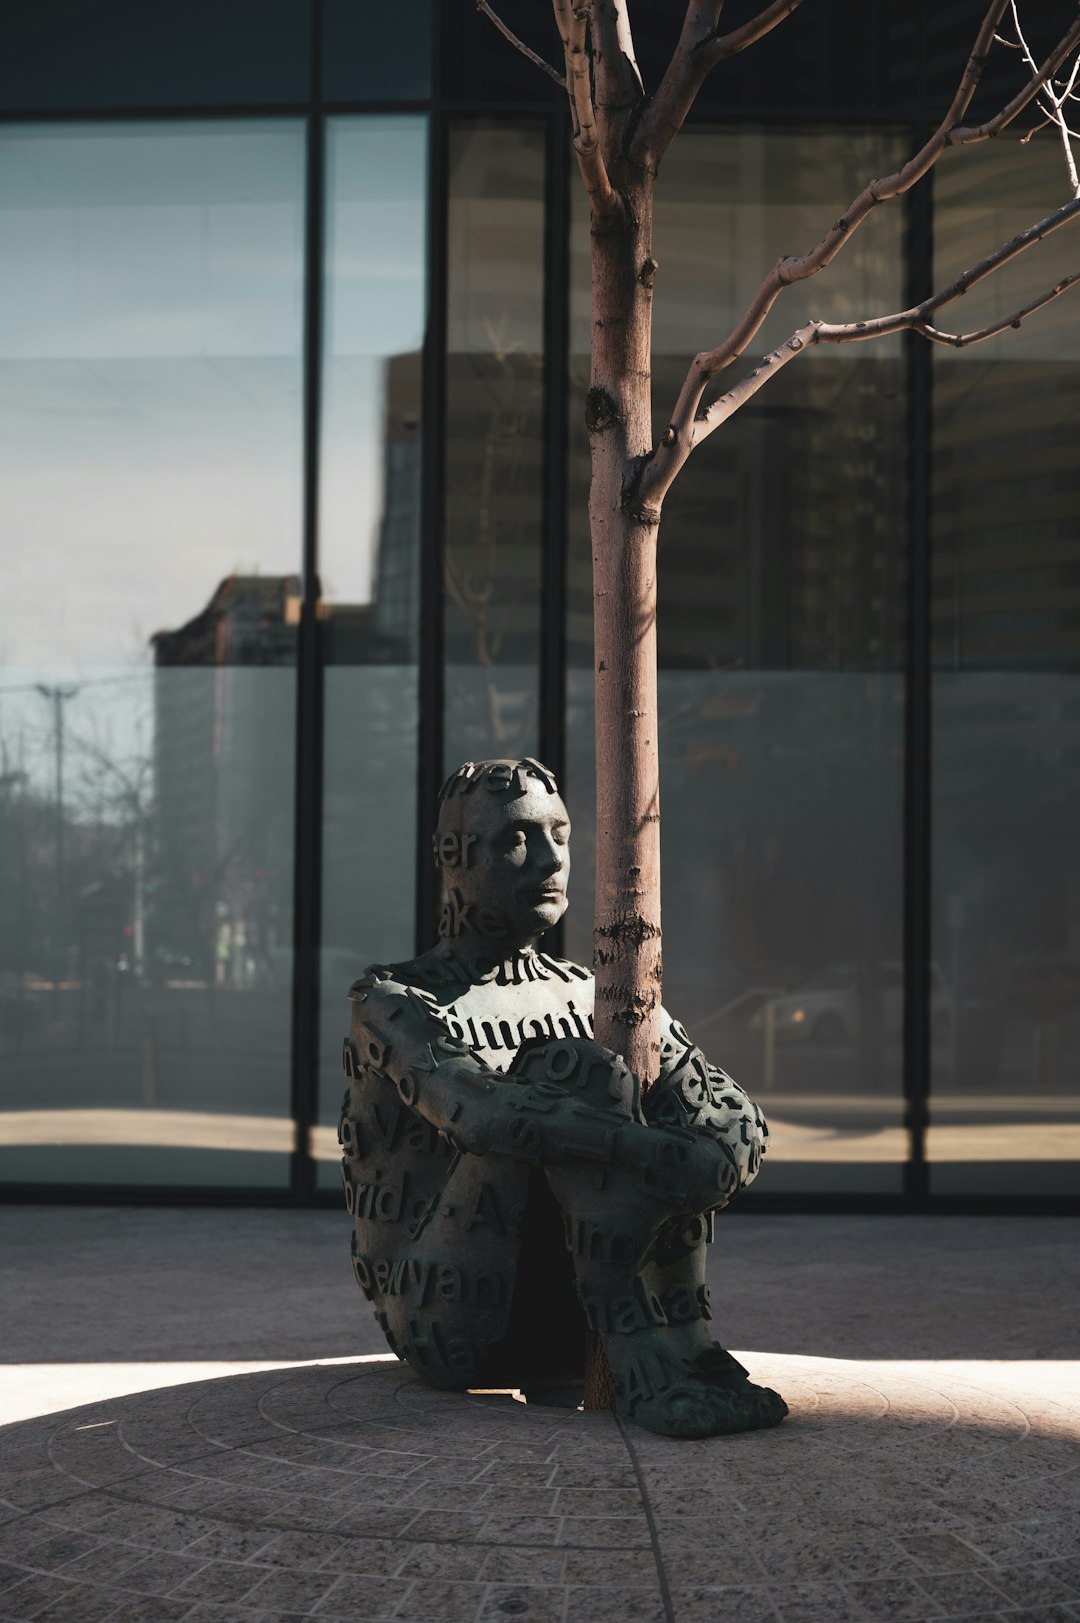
550,857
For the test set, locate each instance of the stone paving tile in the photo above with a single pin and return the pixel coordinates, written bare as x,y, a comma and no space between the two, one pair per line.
941,1552
378,1556
32,1595
1040,1583
84,1604
892,1598
530,1603
365,1597
440,1603
157,1574
150,1609
697,1604
453,1561
966,1592
219,1581
819,1603
525,1564
283,1590
504,1526
615,1603
610,1567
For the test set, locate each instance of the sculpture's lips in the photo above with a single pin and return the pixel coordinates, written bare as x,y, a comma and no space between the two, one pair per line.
546,893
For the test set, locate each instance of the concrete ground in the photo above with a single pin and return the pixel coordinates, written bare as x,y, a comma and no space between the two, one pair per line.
930,1467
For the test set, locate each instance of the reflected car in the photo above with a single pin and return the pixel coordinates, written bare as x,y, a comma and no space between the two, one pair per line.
825,1009
21,1012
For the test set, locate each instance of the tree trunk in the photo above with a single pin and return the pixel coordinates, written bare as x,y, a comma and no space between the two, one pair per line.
626,926
626,933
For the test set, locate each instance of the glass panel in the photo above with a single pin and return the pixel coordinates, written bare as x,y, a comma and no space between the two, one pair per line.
1006,625
376,53
494,441
150,387
369,538
67,55
781,647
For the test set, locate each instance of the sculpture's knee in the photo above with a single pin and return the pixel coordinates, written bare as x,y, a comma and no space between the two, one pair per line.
704,1099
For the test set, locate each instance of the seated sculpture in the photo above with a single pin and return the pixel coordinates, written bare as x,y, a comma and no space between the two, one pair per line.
512,1190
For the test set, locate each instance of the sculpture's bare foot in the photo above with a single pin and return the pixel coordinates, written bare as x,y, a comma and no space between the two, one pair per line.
706,1396
723,1372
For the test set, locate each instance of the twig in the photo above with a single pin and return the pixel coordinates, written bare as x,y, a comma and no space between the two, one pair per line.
1054,114
519,45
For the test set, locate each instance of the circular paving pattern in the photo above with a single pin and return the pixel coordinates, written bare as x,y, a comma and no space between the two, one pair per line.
352,1492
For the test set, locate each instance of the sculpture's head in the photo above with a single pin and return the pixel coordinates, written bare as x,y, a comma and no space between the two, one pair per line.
502,842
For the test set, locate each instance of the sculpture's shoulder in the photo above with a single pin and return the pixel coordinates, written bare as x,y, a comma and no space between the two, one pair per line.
422,974
563,969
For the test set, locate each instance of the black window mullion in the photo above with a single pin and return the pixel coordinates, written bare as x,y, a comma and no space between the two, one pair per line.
917,754
307,896
430,753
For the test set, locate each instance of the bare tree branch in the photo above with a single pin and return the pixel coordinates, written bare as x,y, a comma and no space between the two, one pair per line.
967,134
572,19
948,133
689,425
518,44
1052,104
699,50
615,69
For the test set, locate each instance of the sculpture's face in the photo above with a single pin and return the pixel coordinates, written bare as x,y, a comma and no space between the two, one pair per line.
506,865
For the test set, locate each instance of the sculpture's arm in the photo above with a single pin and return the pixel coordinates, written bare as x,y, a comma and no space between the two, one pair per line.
693,1094
571,1101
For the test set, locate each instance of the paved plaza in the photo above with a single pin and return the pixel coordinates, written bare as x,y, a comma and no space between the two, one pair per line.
930,1467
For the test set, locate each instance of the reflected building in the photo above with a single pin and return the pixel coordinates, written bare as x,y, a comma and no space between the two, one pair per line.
223,686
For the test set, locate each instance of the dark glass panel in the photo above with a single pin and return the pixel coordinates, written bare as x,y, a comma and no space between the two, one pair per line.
377,53
781,643
494,441
369,563
150,369
1005,613
113,54
845,57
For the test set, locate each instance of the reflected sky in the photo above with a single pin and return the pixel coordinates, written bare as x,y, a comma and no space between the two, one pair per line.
151,305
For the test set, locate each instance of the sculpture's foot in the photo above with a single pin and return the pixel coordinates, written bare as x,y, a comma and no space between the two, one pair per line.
705,1395
694,1410
716,1366
724,1373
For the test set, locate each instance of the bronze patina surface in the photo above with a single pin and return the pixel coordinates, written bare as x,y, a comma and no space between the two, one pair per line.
512,1189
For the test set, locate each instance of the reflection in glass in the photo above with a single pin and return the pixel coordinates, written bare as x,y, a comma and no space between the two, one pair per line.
150,349
494,446
369,564
1005,1108
781,647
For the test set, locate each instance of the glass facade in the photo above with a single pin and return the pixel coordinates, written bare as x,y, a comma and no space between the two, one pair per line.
290,474
1005,1101
151,290
371,448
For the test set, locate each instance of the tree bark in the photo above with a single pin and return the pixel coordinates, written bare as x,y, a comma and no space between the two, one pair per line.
626,934
618,414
